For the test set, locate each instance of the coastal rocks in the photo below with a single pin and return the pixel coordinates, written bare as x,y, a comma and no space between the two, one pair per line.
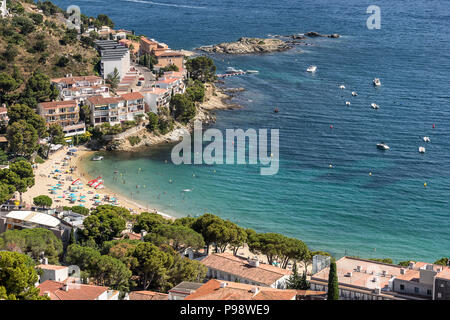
232,90
313,34
248,45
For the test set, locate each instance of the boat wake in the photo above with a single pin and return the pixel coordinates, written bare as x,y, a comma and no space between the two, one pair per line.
165,4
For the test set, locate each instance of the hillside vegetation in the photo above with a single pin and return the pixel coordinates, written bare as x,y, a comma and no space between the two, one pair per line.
31,41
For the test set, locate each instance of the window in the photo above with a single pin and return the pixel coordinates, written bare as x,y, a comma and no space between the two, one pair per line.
402,287
429,292
416,290
439,295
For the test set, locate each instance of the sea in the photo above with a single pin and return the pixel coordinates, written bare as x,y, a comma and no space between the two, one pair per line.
334,189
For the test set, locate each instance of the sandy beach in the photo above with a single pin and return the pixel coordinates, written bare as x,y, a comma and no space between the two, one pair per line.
62,179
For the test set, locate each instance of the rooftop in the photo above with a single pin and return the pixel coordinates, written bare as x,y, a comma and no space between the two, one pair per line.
97,100
132,96
34,217
147,295
186,287
226,290
51,267
58,104
239,266
56,290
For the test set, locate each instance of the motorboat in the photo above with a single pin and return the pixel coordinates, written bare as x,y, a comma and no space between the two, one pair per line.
276,110
421,149
375,106
231,70
347,103
376,82
252,71
342,87
382,146
426,139
311,69
97,158
354,93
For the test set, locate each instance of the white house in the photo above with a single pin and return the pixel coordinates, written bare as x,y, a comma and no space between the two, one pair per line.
113,55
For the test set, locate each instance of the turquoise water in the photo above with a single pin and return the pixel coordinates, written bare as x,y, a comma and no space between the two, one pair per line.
342,210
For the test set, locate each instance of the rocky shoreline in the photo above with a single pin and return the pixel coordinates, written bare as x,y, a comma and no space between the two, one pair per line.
246,45
215,99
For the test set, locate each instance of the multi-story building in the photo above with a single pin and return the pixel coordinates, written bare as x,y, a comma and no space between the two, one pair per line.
80,88
113,56
65,113
361,279
226,266
169,57
156,98
114,110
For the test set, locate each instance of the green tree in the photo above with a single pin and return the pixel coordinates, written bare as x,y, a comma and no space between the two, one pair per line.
17,277
111,272
443,261
295,280
149,222
181,237
152,125
113,80
202,224
103,226
7,85
22,138
43,201
184,269
104,20
152,263
25,173
201,68
19,112
81,256
333,286
39,89
196,92
182,107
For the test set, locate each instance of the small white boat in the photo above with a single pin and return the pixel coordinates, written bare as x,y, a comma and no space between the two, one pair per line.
354,93
311,69
382,146
97,158
342,87
375,106
347,103
421,149
426,139
252,71
376,82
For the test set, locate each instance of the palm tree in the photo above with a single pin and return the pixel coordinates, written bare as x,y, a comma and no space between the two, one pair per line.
113,80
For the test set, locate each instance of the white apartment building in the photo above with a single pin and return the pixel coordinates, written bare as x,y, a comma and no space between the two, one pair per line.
113,55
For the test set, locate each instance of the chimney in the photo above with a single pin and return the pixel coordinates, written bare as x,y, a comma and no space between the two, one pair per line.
429,267
358,268
402,271
411,265
253,262
255,290
223,284
65,287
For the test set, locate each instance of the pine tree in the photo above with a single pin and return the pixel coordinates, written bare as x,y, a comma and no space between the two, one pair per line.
333,287
304,284
294,281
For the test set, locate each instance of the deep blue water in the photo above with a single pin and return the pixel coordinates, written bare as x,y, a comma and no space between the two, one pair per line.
342,210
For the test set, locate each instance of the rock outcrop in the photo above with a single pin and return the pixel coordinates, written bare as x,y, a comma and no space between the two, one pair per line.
248,45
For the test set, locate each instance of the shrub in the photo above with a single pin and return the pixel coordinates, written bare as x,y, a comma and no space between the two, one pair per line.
134,140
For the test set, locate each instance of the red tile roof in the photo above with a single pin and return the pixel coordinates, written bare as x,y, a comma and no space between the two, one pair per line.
50,267
238,291
132,96
96,100
239,266
148,295
57,104
76,291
